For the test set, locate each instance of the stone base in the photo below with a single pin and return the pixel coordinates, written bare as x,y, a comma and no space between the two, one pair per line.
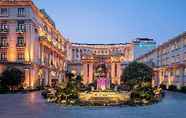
104,97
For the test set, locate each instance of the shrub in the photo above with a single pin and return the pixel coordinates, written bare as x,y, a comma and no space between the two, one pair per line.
163,86
183,89
136,74
172,88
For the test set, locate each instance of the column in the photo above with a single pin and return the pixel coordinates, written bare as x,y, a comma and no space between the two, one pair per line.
112,72
90,73
46,77
118,73
27,78
85,73
12,52
181,79
34,77
169,78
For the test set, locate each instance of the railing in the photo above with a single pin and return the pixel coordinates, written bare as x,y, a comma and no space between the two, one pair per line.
21,45
4,30
20,30
4,45
3,60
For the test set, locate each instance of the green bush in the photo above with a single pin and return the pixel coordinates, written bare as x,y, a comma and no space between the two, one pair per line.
163,86
172,88
183,89
137,74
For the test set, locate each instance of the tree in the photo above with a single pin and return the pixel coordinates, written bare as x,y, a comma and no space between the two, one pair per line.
11,78
70,91
137,74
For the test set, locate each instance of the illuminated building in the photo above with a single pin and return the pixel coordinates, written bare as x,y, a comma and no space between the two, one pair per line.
169,62
30,42
86,59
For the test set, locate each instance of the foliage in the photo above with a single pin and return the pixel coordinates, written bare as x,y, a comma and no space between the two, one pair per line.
138,77
66,94
183,89
11,78
172,88
137,74
163,86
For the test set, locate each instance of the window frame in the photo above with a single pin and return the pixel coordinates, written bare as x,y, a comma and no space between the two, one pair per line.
4,14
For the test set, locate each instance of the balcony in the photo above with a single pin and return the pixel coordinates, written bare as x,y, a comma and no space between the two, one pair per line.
3,60
4,45
20,45
21,15
4,30
42,38
20,30
20,60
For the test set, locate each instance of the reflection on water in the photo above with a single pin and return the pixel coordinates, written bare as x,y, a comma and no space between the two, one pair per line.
33,106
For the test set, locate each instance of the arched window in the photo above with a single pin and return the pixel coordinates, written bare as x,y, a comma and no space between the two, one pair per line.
20,41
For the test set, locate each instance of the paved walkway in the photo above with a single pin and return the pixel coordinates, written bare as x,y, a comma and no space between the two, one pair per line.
33,106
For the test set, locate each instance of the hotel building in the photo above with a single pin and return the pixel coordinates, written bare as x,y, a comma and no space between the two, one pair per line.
30,42
169,62
143,46
86,58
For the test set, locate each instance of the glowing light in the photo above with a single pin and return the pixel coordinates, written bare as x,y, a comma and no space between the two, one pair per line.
11,54
74,72
32,79
27,56
53,73
49,38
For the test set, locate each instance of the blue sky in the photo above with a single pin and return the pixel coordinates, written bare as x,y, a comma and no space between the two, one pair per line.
117,21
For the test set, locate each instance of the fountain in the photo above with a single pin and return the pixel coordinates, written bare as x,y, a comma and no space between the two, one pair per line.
103,95
103,83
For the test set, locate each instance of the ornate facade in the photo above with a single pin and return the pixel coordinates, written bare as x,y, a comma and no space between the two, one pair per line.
87,58
30,42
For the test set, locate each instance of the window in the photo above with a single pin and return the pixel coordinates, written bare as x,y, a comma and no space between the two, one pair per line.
177,73
21,26
77,50
3,56
171,73
20,56
20,41
4,12
21,12
3,41
184,71
45,28
102,51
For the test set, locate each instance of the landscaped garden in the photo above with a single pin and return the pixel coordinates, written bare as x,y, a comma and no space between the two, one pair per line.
135,89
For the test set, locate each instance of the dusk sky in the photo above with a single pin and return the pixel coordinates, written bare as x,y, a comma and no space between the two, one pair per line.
117,21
